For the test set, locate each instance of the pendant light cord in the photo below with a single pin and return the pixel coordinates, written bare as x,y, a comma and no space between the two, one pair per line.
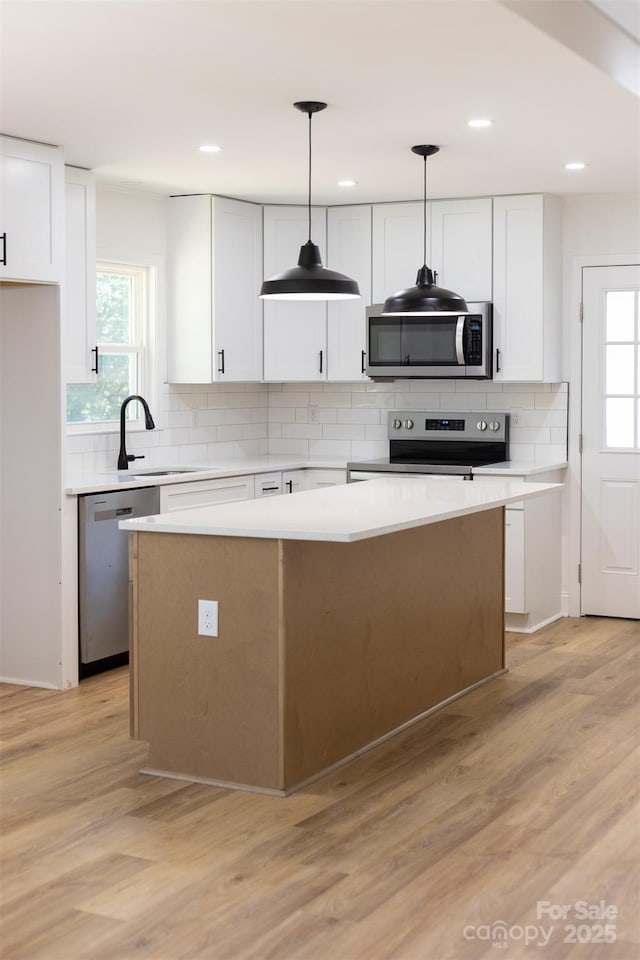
309,204
424,215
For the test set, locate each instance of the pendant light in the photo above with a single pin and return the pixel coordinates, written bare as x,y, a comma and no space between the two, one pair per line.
309,280
425,297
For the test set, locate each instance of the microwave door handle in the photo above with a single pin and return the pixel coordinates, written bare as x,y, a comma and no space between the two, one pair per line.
460,340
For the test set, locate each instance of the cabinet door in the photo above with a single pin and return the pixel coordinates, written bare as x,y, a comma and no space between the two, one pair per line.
295,332
293,481
78,292
348,251
189,289
527,260
237,275
31,211
319,478
514,587
203,493
397,252
461,246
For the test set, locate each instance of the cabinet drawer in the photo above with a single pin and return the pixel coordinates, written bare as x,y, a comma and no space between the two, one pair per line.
202,493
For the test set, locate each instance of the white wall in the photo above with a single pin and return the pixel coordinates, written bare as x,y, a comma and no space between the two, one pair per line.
30,510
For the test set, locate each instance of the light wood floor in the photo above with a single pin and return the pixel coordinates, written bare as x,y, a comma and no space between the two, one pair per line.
521,792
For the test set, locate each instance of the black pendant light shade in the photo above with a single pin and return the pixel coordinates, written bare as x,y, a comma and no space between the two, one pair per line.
425,296
309,280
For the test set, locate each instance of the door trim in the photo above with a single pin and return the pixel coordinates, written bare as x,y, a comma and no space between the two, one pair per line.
572,371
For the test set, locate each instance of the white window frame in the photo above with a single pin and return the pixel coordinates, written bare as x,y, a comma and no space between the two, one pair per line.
145,347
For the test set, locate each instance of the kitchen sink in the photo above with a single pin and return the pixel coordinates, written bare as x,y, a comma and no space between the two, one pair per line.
142,475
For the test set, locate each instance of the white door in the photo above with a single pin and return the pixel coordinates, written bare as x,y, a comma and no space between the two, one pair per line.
611,442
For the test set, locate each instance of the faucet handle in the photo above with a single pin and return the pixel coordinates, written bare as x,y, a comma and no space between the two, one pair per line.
130,457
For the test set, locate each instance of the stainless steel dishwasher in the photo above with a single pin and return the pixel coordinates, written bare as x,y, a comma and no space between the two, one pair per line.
103,576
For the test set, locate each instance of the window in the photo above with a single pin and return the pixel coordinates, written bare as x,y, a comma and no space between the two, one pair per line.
123,328
622,371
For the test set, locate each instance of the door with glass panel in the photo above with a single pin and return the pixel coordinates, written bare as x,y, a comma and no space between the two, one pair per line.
611,441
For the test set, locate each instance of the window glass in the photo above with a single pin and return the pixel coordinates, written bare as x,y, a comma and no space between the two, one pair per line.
622,371
122,322
620,315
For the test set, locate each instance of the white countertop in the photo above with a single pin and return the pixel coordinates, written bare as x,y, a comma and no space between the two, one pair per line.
135,476
124,479
346,513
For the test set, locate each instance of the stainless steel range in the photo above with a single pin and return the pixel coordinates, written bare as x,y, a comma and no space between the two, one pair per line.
437,442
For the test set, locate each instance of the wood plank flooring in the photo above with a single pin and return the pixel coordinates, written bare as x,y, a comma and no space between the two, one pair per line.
523,791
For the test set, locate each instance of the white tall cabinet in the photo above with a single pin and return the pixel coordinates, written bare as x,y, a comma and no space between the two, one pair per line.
78,293
349,252
295,333
31,211
214,275
527,288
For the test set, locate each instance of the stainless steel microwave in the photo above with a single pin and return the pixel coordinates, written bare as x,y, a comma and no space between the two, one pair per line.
438,345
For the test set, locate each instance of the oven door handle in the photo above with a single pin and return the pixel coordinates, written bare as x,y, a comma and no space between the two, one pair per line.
460,340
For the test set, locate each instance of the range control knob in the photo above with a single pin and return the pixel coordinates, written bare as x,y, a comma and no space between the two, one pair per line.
494,425
481,424
408,424
397,424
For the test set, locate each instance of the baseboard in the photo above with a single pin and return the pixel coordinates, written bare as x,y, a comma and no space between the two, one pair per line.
514,626
30,683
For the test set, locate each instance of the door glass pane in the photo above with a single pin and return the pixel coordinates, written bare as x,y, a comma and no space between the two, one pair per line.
620,369
619,425
117,377
620,315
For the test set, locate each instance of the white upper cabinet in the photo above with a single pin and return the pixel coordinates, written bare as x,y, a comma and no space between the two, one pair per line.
214,276
295,332
397,251
349,252
461,246
78,292
31,211
458,246
527,288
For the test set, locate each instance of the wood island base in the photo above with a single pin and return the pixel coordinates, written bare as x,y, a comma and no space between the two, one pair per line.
324,648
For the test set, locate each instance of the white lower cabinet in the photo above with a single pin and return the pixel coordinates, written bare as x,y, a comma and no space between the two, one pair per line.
311,478
203,493
268,485
532,560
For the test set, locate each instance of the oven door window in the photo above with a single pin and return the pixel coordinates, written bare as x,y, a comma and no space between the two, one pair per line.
414,341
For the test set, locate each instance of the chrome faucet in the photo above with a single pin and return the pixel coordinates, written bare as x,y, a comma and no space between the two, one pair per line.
123,457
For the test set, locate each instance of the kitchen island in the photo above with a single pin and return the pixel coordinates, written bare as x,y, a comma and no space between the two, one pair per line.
343,616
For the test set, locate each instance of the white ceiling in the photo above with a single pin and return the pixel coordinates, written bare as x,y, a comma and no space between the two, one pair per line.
131,89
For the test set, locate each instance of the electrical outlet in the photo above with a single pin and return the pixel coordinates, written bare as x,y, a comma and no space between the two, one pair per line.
313,414
516,416
207,618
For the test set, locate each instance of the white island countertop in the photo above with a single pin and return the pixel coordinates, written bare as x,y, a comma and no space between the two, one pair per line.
346,513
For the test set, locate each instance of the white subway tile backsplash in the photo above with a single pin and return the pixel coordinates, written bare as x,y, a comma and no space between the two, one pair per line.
358,415
330,448
343,431
216,422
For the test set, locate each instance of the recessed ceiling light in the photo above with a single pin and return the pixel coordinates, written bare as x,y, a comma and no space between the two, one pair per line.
480,122
575,165
347,183
210,148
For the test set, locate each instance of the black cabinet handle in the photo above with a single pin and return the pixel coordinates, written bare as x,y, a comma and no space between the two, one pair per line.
321,352
362,366
221,355
289,486
3,237
497,361
94,369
